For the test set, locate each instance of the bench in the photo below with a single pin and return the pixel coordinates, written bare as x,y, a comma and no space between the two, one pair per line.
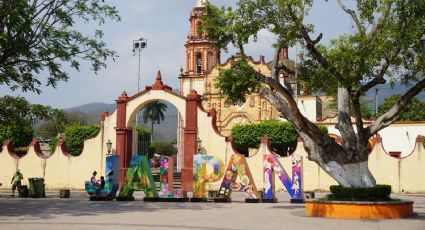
107,193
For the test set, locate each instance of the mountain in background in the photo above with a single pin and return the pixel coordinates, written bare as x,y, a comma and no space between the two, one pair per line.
93,108
386,90
164,131
91,113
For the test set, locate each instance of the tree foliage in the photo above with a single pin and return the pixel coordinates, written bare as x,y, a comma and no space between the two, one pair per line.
20,136
282,136
75,135
154,112
238,81
415,111
17,116
18,111
383,46
164,148
37,37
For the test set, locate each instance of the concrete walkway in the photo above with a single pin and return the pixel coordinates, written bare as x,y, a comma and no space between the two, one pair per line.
78,212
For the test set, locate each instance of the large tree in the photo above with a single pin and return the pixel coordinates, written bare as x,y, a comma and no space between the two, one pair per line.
37,37
383,46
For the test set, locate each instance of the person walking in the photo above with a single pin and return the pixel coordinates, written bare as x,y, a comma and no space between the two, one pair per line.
16,181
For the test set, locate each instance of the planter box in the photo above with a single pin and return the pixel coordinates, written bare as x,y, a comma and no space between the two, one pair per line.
359,210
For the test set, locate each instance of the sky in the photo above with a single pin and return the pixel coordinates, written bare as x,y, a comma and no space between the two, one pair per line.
165,25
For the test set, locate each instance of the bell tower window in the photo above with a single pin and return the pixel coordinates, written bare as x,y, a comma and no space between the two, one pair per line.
198,62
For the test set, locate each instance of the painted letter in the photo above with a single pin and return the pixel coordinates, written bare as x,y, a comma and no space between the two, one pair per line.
238,169
199,173
138,176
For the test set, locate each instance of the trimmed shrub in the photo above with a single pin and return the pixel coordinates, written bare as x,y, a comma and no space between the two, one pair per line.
53,143
377,193
21,137
282,136
164,148
76,134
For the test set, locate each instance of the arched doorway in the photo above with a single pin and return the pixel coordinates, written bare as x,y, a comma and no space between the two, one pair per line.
127,110
155,134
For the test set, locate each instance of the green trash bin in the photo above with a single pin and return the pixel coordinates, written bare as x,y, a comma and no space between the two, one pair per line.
36,189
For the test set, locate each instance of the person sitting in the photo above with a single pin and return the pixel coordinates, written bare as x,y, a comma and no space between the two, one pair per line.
101,186
16,181
93,180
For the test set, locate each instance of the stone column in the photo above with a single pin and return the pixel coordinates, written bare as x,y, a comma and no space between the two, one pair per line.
190,136
121,133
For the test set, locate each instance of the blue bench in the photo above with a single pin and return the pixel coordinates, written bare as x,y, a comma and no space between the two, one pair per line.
107,193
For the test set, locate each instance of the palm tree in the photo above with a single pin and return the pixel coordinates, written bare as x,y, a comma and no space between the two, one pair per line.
154,112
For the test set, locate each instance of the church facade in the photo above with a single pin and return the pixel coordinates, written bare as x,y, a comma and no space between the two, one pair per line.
203,67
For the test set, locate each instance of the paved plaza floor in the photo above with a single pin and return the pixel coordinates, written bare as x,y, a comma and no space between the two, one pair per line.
78,212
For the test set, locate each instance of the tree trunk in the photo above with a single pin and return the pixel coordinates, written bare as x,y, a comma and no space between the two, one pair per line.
342,161
350,175
344,170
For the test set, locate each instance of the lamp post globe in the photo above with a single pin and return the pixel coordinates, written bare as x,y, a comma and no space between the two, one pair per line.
198,145
109,147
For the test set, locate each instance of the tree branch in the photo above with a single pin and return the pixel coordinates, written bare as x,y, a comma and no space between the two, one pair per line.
379,79
311,46
391,115
353,15
292,110
276,59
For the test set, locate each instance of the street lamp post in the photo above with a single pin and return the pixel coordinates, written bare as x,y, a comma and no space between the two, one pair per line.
109,147
138,46
198,145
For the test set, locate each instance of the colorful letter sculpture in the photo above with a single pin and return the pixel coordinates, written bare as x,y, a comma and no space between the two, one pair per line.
200,176
111,181
271,164
138,177
238,178
166,179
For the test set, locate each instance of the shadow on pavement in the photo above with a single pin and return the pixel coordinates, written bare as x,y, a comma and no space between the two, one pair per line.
42,208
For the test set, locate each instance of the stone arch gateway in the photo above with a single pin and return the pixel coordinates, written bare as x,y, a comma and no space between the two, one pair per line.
127,109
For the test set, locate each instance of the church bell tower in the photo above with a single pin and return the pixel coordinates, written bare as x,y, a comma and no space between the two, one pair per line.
201,55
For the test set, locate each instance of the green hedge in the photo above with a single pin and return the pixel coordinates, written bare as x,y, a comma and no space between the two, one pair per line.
21,136
377,193
53,143
76,134
282,136
164,148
